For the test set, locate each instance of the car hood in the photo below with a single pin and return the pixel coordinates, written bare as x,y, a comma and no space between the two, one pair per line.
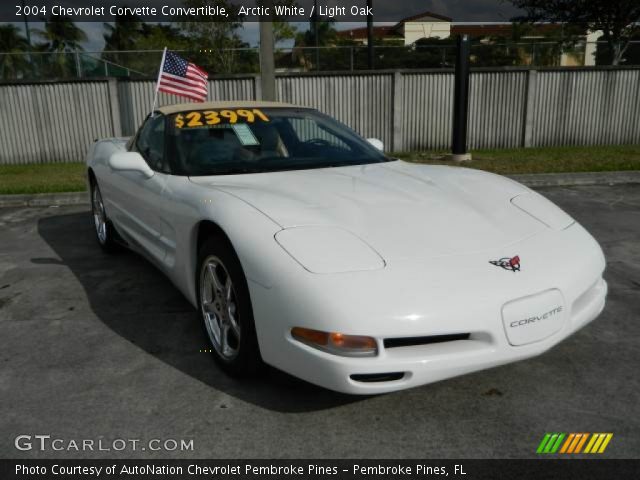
402,210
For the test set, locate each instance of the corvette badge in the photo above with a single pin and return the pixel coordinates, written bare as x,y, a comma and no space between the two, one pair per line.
507,263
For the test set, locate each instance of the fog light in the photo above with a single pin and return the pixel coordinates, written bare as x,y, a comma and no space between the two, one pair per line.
337,343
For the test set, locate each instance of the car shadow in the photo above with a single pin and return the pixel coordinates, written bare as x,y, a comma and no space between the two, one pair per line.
135,300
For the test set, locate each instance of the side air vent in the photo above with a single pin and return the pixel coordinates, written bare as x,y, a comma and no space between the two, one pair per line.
413,341
377,377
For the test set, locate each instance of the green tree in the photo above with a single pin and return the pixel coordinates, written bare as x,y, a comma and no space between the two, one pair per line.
219,39
156,37
282,30
153,37
327,34
61,34
124,34
306,55
631,54
617,19
129,33
503,51
556,41
61,38
16,64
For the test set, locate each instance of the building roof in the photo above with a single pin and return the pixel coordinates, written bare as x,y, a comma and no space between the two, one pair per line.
500,29
183,107
388,31
419,16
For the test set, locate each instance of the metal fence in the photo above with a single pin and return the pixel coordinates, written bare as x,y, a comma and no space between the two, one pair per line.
144,63
407,110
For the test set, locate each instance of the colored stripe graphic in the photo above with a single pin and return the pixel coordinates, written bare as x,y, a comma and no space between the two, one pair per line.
591,442
598,442
606,442
576,439
544,441
555,447
581,443
596,445
550,443
567,442
572,443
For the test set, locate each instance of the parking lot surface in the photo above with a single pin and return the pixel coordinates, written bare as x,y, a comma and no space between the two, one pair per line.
104,347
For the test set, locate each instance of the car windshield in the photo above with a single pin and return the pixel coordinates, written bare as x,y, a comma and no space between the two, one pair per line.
233,141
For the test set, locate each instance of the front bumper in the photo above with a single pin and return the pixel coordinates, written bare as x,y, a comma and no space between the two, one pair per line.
439,297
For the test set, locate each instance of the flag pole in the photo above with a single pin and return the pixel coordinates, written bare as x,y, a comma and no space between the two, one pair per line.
155,97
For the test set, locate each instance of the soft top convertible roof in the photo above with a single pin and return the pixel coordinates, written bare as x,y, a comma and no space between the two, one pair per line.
186,107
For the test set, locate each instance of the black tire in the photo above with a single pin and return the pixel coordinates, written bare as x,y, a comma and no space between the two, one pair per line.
216,251
105,233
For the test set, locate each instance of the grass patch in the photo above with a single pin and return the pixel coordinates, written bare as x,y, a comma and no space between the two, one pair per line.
70,177
42,178
542,160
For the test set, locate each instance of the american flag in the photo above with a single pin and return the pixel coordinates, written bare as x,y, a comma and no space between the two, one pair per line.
183,78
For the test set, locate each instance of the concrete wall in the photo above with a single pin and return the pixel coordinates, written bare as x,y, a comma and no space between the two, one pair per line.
56,122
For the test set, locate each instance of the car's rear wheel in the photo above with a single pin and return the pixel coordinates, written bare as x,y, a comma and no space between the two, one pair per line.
103,228
225,308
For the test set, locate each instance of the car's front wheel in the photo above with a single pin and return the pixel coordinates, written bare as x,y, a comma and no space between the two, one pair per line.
225,308
103,228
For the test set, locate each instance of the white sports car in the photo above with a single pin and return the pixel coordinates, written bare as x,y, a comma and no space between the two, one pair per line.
303,246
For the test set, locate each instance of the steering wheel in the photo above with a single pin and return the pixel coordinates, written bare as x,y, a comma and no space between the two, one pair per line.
317,142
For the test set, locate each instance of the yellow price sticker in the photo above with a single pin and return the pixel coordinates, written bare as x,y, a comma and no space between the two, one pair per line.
214,117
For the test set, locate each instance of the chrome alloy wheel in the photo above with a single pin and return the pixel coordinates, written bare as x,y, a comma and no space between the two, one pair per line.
218,304
99,216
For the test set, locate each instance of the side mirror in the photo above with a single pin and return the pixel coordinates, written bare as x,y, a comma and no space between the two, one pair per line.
376,143
130,162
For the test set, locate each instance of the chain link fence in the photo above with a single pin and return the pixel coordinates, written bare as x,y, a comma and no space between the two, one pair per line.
144,63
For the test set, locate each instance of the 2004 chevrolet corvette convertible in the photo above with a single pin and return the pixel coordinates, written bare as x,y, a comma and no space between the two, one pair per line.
304,247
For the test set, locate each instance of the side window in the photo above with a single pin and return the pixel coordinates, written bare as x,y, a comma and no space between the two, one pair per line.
150,143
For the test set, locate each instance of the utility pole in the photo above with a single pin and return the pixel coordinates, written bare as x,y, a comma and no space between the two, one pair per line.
370,34
28,34
461,102
26,27
267,63
316,33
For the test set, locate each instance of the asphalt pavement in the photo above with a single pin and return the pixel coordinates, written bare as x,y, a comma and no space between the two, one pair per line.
97,347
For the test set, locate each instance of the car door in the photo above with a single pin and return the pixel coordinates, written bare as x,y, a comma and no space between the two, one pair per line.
138,197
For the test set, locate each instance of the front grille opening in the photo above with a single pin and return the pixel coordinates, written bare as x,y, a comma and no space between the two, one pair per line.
377,377
412,341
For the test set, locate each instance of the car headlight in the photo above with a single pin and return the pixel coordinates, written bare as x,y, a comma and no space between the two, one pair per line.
337,343
328,250
543,210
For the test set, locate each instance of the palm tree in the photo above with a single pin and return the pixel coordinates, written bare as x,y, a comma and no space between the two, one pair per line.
153,37
61,36
321,33
327,35
122,35
124,32
12,42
